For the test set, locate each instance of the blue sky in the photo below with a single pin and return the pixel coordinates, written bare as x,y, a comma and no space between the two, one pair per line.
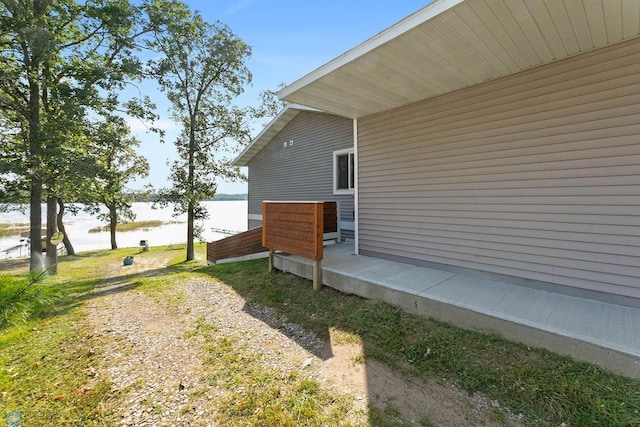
289,39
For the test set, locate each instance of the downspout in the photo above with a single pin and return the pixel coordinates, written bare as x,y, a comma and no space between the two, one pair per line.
356,188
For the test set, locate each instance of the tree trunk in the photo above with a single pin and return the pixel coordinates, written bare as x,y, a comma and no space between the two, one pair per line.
190,249
67,243
36,264
52,250
190,192
113,223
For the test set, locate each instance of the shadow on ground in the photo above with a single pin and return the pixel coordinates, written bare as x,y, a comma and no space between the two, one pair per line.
352,336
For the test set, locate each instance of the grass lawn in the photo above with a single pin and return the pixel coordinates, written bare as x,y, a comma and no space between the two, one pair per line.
48,356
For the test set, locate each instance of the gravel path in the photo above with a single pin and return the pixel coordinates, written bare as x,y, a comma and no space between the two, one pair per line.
159,376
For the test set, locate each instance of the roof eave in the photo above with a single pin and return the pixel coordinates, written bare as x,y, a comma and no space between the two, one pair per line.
412,21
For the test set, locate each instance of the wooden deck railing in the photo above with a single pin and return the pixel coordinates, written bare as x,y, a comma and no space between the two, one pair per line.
247,243
298,228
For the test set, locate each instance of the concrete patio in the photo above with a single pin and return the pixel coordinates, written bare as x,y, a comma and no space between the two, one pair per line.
597,332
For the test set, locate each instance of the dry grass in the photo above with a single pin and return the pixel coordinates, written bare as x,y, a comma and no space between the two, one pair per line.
132,226
13,228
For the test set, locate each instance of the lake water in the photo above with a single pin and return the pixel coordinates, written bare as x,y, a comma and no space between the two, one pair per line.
225,215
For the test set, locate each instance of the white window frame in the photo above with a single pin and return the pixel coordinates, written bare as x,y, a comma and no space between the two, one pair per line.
352,185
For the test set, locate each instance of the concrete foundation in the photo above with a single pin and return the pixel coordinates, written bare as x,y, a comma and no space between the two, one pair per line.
593,331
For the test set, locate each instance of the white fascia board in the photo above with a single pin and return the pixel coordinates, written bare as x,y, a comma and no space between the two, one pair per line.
262,139
412,21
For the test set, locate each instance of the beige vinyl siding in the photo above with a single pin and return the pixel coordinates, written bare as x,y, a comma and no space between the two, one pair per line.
303,170
536,175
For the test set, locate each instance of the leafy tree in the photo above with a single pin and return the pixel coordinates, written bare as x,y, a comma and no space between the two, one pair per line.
60,60
270,104
201,69
116,161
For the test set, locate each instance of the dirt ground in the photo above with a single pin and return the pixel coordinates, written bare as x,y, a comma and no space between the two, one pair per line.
158,373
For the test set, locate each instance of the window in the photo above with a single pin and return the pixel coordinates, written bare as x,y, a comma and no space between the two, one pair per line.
343,171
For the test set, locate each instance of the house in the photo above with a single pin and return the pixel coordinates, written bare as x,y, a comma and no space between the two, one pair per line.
302,154
499,138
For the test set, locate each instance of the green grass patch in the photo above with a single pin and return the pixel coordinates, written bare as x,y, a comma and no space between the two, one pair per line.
47,374
542,386
132,226
22,297
389,416
256,394
48,356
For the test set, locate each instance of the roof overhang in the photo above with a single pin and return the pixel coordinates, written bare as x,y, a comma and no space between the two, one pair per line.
453,44
282,119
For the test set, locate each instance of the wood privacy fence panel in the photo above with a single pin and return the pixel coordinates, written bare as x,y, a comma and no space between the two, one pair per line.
294,227
330,217
247,243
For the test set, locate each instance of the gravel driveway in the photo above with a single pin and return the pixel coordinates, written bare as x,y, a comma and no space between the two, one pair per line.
155,361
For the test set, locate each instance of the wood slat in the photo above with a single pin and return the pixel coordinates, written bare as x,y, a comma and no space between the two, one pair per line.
294,227
247,243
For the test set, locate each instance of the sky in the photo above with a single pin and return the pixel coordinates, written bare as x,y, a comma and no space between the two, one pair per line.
289,39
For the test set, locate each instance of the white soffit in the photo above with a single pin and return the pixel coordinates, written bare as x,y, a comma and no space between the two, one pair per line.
269,132
452,44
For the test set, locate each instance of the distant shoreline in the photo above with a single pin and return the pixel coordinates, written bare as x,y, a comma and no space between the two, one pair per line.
227,197
217,198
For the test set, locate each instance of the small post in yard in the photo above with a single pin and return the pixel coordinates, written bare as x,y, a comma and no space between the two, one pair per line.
317,275
271,251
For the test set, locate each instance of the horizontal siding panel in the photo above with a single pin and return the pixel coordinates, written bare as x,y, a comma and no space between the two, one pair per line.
621,274
477,173
564,200
412,213
302,171
418,206
567,227
517,190
556,127
590,139
536,175
452,178
504,233
544,241
512,238
543,183
505,117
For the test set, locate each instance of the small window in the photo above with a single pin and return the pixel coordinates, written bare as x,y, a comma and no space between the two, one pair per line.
343,171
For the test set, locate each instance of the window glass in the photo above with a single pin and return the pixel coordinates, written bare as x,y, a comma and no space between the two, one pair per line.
343,172
352,168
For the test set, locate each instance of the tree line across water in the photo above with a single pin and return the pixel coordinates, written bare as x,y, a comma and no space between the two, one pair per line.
67,72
